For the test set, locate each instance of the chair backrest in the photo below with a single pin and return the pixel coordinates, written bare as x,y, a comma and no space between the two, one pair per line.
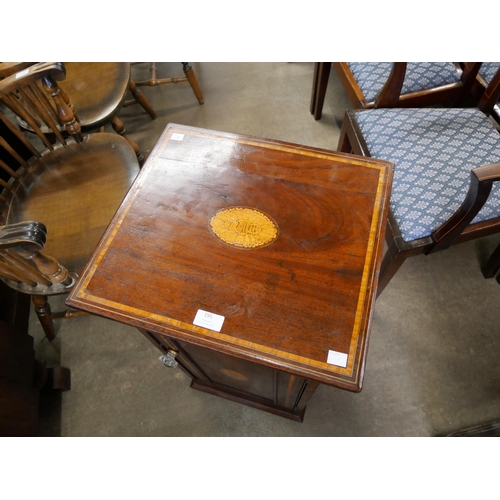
390,93
34,96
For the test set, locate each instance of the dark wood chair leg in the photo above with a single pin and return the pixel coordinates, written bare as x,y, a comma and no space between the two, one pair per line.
493,265
392,261
141,99
344,145
119,128
320,83
188,71
42,309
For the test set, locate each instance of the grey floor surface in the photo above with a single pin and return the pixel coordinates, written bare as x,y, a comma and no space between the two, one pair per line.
433,362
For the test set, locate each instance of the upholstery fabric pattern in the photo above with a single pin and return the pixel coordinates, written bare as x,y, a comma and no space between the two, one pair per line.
434,151
371,76
488,70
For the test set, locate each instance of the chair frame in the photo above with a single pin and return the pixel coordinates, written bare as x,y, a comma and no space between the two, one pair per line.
456,230
22,264
154,81
390,96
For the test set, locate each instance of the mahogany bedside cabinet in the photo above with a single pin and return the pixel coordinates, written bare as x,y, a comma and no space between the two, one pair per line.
252,264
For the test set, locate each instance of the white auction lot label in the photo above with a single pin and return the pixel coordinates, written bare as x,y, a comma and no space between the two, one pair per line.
208,320
337,358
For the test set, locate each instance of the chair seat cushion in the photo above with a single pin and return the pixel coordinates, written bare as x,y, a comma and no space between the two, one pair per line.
434,151
372,76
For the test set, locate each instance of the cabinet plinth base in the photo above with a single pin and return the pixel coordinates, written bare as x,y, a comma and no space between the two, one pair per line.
247,399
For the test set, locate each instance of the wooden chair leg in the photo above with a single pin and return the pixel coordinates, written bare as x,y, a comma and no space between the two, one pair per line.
141,99
188,71
344,145
493,265
42,309
320,83
119,128
392,261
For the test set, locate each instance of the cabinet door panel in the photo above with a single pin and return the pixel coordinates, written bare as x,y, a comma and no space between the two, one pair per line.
233,372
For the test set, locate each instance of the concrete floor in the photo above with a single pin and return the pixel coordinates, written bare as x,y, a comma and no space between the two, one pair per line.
433,363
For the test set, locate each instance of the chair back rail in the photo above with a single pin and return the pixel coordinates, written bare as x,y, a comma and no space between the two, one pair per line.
391,92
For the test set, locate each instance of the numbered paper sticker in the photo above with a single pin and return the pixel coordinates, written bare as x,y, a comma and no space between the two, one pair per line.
177,137
208,320
337,358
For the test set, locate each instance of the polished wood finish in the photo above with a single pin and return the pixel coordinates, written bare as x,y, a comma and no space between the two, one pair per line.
72,186
287,303
458,228
390,95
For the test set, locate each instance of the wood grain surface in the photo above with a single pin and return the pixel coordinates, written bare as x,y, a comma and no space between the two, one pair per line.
285,305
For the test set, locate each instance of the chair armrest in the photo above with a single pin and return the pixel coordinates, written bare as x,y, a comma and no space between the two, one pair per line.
30,234
23,242
481,182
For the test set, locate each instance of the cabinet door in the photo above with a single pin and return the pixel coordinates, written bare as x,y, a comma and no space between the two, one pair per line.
238,379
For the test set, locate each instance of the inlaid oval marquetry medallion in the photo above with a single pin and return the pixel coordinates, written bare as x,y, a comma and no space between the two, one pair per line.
243,227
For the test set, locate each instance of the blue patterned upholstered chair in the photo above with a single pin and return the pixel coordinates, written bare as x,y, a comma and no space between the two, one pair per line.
417,84
446,161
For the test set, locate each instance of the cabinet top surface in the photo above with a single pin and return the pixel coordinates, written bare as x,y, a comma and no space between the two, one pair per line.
261,249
